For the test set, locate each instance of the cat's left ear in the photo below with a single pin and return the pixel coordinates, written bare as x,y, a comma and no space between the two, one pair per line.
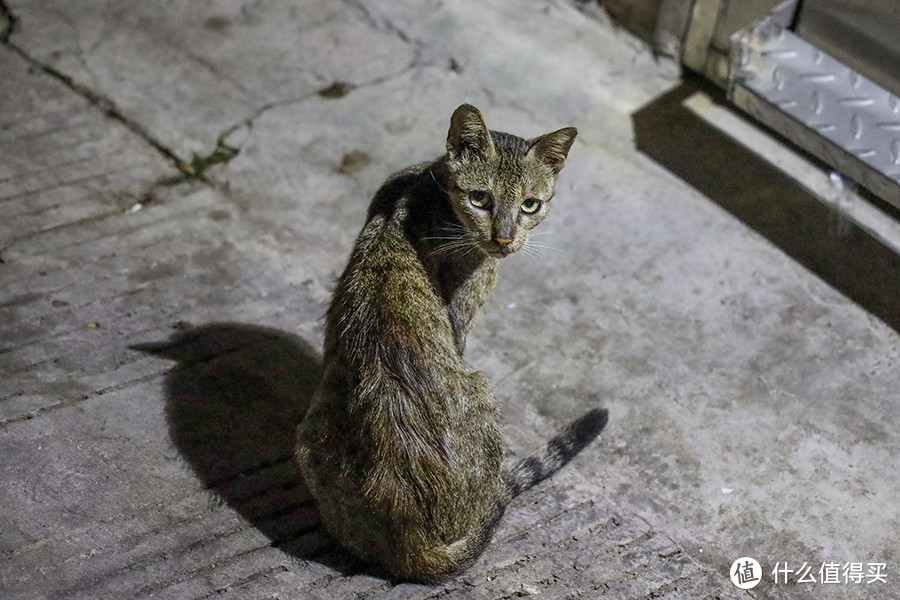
553,148
468,133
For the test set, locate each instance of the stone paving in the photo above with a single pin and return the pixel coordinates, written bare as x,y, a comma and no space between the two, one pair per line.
180,184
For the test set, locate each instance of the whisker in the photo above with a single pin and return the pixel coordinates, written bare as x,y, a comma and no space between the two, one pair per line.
456,244
445,248
530,254
473,246
440,187
457,229
545,247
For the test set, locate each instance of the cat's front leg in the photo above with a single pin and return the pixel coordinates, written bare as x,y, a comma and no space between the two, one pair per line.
468,300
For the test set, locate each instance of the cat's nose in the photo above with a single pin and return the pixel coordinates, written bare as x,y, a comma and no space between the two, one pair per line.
502,241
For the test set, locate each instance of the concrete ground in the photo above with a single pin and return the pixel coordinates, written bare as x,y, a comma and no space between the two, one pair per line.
181,183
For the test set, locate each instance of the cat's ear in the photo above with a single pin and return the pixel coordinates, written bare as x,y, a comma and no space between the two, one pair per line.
553,148
468,133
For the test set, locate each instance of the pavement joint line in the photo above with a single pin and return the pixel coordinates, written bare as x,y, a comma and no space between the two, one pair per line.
232,586
113,254
224,153
108,107
58,203
55,336
213,486
33,234
67,183
188,575
119,233
279,312
58,334
74,401
153,557
133,538
195,169
166,181
76,124
378,587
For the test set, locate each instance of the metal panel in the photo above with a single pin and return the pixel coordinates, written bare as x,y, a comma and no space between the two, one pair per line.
820,104
737,15
863,34
707,42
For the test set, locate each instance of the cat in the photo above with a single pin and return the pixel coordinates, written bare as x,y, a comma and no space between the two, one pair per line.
401,447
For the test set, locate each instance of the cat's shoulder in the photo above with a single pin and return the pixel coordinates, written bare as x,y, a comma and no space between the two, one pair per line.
396,188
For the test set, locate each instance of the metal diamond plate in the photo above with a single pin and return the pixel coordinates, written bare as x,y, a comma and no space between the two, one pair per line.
821,94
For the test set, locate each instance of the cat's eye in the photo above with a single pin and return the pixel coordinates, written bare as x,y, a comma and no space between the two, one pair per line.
531,206
479,199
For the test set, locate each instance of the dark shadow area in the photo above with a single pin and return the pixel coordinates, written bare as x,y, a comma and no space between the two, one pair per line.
837,250
233,402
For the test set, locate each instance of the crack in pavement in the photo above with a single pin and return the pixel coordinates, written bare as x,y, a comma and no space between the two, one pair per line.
335,90
188,170
381,23
7,22
223,152
108,107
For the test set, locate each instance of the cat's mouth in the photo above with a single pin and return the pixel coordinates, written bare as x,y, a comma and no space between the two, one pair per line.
495,252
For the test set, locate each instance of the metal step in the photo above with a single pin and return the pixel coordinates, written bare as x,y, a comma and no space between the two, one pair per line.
820,104
814,100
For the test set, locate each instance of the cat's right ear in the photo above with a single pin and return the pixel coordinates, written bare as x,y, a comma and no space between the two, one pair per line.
552,149
468,133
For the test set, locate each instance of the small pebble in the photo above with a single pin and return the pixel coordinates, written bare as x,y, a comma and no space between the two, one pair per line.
530,590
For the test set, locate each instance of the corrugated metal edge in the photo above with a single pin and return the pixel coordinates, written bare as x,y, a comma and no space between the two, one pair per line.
771,81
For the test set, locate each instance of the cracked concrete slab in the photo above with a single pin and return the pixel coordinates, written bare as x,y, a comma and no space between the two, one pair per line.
191,71
62,162
753,407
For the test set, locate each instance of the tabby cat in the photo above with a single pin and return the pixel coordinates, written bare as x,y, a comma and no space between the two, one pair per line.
401,447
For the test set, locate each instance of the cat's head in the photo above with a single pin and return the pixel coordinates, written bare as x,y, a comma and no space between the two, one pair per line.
501,184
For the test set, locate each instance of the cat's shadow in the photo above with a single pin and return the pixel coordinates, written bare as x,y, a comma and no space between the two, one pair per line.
233,401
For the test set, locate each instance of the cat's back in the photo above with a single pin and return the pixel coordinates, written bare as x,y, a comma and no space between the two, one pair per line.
396,389
384,301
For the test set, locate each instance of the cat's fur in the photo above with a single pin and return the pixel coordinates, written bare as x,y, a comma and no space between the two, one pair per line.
401,447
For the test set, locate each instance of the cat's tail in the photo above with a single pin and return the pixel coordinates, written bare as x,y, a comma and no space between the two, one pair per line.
558,451
435,564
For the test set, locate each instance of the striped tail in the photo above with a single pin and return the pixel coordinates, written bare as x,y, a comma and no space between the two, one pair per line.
558,451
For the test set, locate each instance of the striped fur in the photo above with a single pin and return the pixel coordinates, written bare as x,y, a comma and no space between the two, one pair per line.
401,446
